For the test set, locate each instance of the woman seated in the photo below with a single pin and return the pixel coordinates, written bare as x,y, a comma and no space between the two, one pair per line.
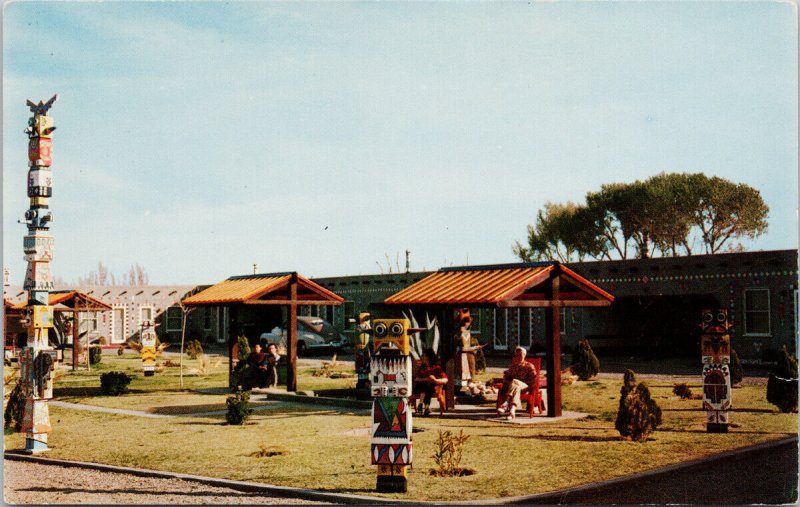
253,372
429,376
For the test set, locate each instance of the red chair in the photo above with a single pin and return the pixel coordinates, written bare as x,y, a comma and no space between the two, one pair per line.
533,393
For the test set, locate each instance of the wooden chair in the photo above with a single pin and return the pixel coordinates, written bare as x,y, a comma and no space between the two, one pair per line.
533,393
438,393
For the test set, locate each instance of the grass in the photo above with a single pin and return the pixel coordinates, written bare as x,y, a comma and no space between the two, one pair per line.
327,448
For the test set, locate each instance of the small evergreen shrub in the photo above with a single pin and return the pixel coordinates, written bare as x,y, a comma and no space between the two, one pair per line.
638,414
15,410
238,408
95,354
737,372
121,350
244,348
584,363
782,383
682,390
114,383
194,349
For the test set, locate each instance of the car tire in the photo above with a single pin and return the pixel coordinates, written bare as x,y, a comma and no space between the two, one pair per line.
301,348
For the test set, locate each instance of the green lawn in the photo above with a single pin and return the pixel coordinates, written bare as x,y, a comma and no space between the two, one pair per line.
328,449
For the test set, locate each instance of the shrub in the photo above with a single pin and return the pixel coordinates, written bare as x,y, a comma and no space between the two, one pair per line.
782,383
448,454
737,372
238,408
584,363
114,383
95,354
638,414
121,350
15,410
682,390
194,349
244,348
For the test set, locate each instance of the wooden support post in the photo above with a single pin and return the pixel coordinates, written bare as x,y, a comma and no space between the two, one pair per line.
75,344
447,354
233,337
291,341
552,326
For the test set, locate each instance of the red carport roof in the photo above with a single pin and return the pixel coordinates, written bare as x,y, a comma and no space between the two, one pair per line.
272,288
520,285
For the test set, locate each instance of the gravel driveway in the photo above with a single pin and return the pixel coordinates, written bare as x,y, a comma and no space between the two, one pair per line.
62,485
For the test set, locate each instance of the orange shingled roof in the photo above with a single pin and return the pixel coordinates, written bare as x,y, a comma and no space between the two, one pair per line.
494,285
251,288
70,299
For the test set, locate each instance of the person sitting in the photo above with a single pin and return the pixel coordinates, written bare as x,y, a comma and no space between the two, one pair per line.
271,365
517,378
253,372
428,377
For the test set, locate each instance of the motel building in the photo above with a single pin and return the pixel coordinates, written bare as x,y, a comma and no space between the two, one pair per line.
655,313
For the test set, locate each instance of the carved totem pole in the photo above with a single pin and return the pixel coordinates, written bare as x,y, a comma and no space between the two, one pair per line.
362,355
715,345
148,348
37,357
390,371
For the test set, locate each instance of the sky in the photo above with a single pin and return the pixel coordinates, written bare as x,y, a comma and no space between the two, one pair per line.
198,139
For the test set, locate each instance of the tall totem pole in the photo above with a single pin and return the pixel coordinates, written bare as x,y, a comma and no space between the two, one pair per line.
37,357
390,371
715,345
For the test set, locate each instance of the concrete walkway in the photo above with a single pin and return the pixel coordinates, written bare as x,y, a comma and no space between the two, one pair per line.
140,413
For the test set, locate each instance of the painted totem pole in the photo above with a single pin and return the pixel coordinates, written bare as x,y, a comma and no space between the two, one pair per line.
390,371
715,345
148,348
362,351
37,357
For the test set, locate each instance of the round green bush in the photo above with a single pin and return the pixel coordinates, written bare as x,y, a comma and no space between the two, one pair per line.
238,408
95,354
638,414
114,383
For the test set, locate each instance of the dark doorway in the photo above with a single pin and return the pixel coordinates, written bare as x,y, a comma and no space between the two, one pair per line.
663,326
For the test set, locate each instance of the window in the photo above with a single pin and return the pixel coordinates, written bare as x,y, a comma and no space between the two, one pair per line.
207,318
500,338
118,324
174,318
145,315
88,322
756,312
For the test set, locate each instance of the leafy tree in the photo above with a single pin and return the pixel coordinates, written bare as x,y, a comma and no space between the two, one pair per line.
663,215
729,211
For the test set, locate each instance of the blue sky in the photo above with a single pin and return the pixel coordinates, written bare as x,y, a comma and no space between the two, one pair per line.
196,139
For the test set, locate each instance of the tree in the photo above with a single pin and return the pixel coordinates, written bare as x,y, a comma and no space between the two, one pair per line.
729,211
664,215
562,232
136,276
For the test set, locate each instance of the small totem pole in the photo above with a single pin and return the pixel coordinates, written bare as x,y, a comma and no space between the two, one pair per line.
715,345
390,370
362,351
37,357
148,348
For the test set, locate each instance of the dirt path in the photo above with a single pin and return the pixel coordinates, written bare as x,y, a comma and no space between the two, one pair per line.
62,485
